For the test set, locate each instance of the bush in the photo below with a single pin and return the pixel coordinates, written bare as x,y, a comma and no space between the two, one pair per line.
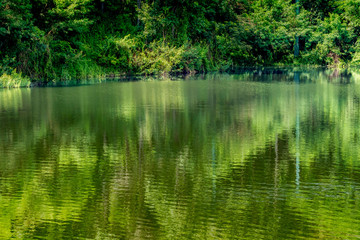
115,53
193,59
13,80
159,58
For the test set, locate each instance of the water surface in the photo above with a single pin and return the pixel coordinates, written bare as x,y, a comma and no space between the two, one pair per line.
247,156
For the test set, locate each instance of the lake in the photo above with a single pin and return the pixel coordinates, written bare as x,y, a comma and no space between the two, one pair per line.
256,155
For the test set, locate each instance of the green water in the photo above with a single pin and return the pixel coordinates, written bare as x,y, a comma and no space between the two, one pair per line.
248,156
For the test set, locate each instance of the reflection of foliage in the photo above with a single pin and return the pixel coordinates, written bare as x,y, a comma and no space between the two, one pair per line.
180,159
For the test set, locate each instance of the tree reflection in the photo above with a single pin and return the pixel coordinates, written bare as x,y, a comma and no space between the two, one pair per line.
213,158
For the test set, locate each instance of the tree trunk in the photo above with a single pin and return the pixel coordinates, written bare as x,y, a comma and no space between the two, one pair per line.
139,7
297,47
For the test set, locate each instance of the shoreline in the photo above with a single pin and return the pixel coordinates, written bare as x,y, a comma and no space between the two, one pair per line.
112,77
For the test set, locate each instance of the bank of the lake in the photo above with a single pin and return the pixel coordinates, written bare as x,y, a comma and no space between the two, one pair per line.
16,80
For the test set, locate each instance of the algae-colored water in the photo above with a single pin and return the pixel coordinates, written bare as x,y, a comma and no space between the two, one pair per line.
247,156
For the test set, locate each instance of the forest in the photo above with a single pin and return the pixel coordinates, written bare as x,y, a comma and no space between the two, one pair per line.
58,40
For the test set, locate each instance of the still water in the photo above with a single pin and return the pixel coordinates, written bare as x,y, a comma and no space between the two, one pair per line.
245,156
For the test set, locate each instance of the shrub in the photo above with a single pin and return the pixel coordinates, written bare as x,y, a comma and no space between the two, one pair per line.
193,59
13,80
159,58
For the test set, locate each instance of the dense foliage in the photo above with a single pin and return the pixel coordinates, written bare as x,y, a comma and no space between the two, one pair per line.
51,40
